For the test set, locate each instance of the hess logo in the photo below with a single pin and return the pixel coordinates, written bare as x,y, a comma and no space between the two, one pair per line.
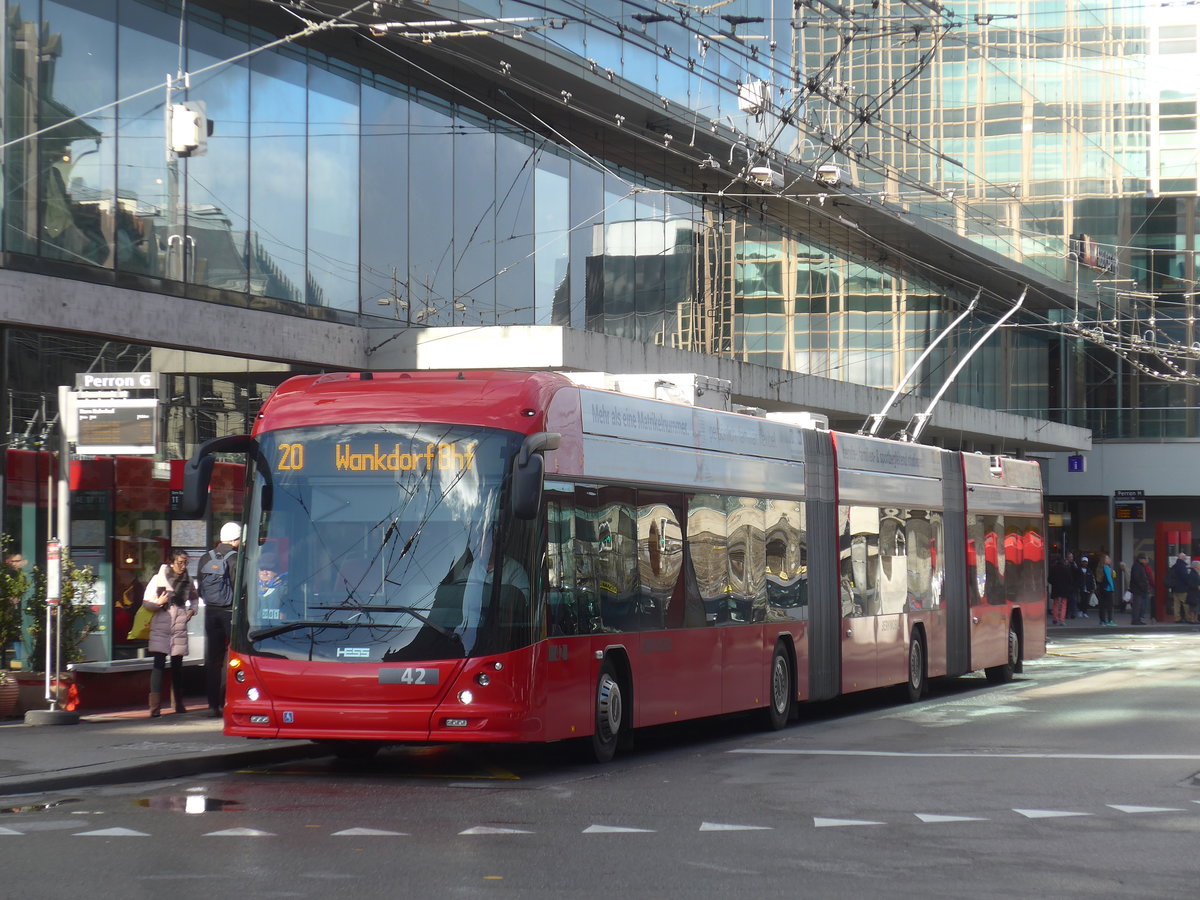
353,653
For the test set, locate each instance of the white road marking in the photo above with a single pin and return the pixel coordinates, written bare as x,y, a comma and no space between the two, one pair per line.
112,832
716,826
10,831
488,829
768,751
818,822
1047,813
240,832
933,817
1144,809
368,832
615,829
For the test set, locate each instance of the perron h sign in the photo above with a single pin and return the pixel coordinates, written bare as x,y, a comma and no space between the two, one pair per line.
110,427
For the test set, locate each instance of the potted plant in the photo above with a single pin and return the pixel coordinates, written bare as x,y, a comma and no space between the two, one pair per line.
76,619
14,584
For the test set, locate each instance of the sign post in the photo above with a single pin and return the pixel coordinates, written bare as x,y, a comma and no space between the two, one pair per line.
53,633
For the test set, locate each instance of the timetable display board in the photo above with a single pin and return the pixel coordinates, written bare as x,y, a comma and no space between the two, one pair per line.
117,426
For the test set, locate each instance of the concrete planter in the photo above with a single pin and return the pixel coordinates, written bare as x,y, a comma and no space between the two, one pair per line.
10,693
32,688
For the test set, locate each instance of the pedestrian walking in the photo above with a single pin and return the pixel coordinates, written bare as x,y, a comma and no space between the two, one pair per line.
1192,614
215,575
1178,577
1105,587
1076,584
1087,587
1062,582
173,599
1141,585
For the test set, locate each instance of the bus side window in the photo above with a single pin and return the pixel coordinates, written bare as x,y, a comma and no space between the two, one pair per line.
660,559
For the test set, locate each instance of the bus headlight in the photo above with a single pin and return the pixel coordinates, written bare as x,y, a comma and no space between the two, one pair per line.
253,693
465,697
483,679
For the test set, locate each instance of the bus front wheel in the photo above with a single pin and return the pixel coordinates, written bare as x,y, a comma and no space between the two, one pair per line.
609,714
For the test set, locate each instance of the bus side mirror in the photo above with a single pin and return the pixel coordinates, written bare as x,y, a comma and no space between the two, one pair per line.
197,472
527,473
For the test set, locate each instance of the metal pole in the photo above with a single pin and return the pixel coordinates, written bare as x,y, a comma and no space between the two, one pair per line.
53,593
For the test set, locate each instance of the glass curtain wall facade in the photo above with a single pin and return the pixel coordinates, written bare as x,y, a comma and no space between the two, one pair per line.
330,190
1026,123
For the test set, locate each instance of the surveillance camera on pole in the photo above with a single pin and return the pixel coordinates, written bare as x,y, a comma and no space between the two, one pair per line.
188,128
829,174
764,175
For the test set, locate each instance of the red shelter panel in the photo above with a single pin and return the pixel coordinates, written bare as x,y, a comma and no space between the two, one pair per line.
1170,539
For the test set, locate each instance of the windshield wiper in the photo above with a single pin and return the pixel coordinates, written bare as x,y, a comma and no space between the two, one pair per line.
410,610
274,630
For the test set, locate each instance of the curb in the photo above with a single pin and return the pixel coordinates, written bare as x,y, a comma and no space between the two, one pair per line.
102,774
1153,628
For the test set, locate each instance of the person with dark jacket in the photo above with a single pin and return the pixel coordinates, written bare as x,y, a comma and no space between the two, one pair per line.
215,574
1086,583
1062,583
1177,587
1141,585
1193,592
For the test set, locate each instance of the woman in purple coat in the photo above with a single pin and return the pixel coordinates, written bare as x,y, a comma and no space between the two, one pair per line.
173,599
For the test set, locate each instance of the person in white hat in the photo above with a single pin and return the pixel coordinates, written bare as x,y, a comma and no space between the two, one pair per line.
214,575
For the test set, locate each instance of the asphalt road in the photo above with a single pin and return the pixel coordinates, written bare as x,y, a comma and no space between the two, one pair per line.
1076,780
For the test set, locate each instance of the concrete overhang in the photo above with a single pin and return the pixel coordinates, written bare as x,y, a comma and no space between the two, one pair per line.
195,328
143,317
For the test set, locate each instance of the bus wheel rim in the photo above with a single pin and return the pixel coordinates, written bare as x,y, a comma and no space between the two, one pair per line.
779,684
914,664
608,707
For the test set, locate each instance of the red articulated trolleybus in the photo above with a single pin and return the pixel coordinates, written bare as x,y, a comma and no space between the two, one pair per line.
509,556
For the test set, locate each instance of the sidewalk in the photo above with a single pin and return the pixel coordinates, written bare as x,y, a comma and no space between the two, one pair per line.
127,745
1091,625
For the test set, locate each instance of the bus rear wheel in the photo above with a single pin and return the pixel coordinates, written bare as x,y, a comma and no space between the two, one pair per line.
610,714
779,704
918,682
1003,674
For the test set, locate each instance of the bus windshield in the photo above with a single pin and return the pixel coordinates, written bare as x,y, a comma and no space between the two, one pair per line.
373,543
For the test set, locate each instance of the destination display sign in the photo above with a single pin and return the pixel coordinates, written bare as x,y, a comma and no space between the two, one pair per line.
1129,511
455,456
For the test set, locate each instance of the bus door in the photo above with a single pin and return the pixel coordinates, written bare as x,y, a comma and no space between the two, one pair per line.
701,602
892,592
986,590
859,572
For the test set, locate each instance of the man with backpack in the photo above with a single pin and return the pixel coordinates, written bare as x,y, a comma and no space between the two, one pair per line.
214,575
1087,586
